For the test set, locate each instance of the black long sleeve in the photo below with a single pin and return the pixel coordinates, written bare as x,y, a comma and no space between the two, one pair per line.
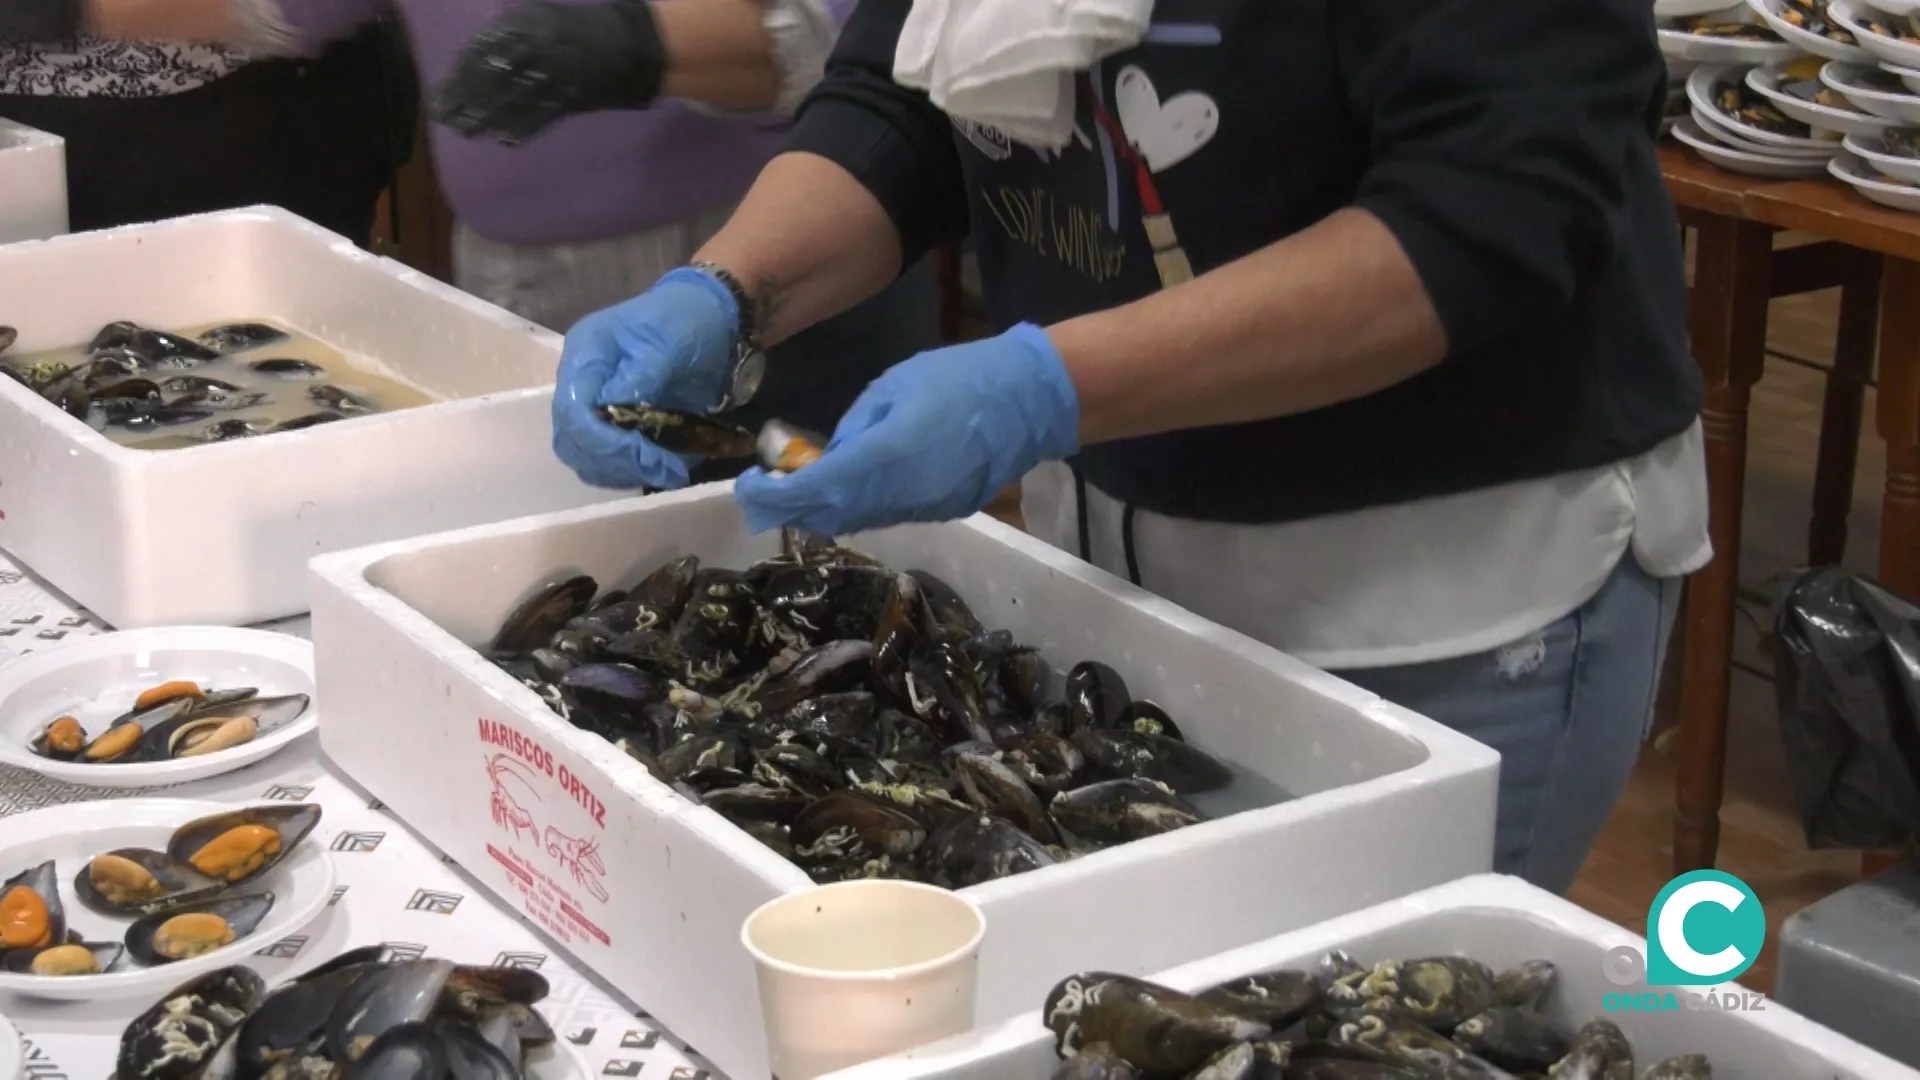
1499,139
892,139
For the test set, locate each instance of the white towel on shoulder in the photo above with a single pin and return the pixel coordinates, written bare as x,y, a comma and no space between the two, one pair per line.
1009,64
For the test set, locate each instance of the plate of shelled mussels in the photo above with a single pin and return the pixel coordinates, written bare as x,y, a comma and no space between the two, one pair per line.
125,897
147,707
364,1013
1425,1018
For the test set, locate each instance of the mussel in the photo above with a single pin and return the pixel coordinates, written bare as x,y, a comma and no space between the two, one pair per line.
156,347
196,929
31,914
541,616
1158,1030
1518,1040
340,400
66,959
137,880
288,368
977,848
1278,999
683,432
239,337
178,1036
1117,811
239,845
301,423
62,739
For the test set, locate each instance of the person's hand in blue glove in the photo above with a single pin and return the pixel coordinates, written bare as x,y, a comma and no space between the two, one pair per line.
670,346
934,438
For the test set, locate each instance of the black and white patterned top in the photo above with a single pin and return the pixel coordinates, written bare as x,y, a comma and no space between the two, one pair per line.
91,67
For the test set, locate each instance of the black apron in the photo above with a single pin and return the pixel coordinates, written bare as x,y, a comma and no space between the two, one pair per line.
320,137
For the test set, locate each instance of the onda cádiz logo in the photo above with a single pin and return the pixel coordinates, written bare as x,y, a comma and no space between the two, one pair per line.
1704,929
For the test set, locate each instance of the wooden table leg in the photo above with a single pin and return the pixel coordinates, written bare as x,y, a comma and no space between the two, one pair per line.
1840,417
1728,323
1899,422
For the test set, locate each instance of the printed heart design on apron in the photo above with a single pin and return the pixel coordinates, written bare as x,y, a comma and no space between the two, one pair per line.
1165,133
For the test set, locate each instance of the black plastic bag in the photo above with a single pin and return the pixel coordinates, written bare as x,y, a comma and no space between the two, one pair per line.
1847,682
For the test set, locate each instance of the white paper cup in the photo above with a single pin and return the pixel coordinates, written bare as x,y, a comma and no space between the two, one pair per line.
862,969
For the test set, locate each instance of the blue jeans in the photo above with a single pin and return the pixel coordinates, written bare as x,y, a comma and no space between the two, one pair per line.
1567,708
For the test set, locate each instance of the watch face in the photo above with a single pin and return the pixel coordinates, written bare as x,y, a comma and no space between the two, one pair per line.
747,373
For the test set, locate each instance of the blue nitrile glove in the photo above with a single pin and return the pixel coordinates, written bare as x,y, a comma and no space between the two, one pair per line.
934,438
670,346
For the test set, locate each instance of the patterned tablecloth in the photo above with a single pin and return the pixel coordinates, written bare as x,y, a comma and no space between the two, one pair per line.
393,887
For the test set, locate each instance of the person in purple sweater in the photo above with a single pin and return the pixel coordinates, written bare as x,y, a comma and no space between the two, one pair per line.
576,186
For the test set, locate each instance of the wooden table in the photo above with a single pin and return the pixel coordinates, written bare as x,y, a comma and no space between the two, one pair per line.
1875,254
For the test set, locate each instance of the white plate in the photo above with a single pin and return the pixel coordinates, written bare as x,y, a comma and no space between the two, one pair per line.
1908,75
1688,131
74,833
1872,149
1700,94
1898,8
1851,171
97,678
12,1055
1716,50
1687,9
1765,81
1733,137
1855,18
1899,107
1712,50
1770,11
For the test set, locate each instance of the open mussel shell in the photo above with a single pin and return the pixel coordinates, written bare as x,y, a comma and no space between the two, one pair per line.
67,958
62,739
237,845
140,880
474,991
124,739
179,1035
211,728
31,914
196,929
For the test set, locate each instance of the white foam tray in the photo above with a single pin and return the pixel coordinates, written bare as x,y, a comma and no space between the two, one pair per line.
221,534
33,184
1499,920
1388,802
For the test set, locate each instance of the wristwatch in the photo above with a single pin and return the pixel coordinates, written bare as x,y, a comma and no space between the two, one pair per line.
749,359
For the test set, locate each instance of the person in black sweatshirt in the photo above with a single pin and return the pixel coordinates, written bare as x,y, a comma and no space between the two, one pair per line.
1357,327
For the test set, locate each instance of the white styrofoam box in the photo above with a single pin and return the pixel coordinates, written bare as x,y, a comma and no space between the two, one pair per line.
1387,802
33,183
221,534
1499,920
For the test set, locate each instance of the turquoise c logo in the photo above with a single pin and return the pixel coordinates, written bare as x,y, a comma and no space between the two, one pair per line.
1705,928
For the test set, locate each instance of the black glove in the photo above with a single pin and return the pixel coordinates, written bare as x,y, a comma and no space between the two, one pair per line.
36,21
541,61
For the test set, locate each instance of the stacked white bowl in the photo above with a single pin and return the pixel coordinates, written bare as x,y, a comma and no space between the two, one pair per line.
1818,87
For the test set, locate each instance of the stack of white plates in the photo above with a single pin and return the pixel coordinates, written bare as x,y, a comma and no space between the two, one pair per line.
1733,143
1887,190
